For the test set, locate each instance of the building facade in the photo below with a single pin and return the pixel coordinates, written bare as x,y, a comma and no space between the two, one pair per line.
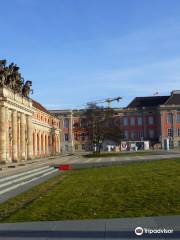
154,118
27,129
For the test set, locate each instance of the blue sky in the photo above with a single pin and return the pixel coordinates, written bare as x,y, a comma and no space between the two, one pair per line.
76,51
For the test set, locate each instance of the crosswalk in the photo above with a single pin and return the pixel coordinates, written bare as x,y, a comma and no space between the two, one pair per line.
10,183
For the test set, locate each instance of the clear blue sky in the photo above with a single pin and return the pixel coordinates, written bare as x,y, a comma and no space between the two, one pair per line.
76,51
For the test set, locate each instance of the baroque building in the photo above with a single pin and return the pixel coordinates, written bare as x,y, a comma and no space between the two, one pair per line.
27,129
151,118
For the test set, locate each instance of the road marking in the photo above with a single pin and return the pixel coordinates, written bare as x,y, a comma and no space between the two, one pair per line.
23,183
21,174
23,178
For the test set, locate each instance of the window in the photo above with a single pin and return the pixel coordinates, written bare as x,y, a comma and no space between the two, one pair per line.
125,121
140,134
151,133
178,132
169,118
178,118
132,121
66,137
76,146
76,136
83,136
83,147
66,123
126,134
151,120
83,123
139,120
170,132
133,135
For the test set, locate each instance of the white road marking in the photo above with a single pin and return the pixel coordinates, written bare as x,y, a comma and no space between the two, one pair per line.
23,183
21,174
23,178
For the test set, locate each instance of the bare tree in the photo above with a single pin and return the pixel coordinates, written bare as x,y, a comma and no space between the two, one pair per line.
100,124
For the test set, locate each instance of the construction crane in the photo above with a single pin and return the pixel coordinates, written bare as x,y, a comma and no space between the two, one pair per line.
108,101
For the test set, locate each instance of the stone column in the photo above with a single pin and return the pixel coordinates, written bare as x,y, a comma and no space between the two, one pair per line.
40,145
23,136
14,135
44,150
55,144
46,144
58,143
30,138
35,143
7,133
2,134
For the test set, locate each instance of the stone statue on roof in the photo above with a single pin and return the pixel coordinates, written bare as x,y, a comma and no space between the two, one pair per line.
11,78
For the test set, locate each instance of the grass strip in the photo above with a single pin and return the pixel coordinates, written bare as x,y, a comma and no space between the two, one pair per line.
132,190
24,199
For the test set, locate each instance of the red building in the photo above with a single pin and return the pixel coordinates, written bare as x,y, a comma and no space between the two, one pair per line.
153,118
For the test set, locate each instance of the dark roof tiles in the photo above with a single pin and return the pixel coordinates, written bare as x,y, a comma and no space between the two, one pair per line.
153,101
173,100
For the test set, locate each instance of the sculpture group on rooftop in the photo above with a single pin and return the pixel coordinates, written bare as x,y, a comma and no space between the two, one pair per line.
11,78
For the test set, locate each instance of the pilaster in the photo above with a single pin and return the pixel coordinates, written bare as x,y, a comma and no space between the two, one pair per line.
23,136
29,138
2,134
7,134
14,135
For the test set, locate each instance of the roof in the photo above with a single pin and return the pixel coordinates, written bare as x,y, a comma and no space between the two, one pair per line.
153,101
174,99
40,107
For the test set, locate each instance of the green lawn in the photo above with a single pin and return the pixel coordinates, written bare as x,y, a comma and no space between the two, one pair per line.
122,154
137,189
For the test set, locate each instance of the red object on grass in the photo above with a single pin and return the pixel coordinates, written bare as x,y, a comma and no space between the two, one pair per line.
65,167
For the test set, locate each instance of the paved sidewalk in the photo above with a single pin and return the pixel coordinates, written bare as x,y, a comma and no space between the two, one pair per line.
78,161
122,228
21,166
